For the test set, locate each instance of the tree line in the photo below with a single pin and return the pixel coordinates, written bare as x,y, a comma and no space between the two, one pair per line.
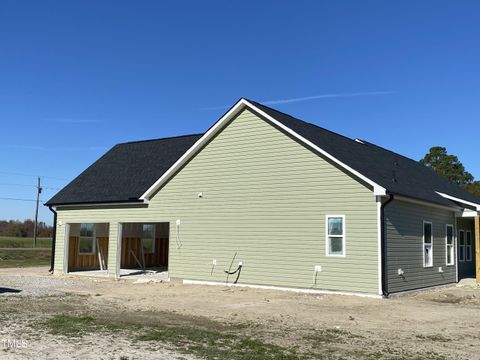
450,167
24,228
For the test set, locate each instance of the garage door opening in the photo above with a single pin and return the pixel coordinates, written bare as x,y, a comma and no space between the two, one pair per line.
144,248
88,248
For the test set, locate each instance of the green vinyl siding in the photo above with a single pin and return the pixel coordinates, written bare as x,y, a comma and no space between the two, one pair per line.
265,198
404,246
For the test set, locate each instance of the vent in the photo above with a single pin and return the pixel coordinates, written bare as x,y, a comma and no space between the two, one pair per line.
394,176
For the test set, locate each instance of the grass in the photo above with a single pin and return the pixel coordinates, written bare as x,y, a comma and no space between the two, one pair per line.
19,258
436,337
70,325
11,254
202,342
220,341
18,242
330,336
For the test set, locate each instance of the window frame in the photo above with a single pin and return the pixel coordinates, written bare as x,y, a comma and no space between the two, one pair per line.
431,244
461,248
94,238
468,236
447,246
153,239
328,236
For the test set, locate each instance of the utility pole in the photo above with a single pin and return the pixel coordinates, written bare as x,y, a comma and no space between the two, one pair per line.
39,191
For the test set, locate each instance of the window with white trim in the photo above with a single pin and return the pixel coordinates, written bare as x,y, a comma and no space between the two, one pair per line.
427,244
335,235
86,243
449,245
148,238
461,245
468,246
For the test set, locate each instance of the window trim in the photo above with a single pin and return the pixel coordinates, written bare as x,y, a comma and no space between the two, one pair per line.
423,238
343,236
94,238
452,245
461,248
153,239
467,234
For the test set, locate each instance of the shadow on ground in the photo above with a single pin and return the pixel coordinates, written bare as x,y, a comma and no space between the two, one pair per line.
4,290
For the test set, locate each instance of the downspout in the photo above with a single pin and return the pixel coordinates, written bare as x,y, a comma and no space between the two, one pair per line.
54,239
383,246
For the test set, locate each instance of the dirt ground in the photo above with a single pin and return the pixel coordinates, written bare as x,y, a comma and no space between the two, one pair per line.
437,324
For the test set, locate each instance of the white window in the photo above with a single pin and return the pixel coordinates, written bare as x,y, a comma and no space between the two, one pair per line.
449,245
427,244
335,235
468,246
148,238
86,243
461,245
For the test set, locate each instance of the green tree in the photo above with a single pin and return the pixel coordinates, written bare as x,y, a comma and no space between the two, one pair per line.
474,188
448,166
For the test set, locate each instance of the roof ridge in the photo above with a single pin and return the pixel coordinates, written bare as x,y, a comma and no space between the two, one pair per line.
337,134
305,122
158,139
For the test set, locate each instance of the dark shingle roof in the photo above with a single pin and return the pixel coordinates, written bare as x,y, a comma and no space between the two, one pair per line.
125,172
396,173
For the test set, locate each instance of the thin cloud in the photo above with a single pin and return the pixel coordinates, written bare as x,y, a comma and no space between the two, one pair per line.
75,121
313,97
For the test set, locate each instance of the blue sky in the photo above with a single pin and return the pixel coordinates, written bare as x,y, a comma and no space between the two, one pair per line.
77,77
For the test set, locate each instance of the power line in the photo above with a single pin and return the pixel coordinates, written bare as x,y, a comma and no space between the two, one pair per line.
18,199
26,185
30,175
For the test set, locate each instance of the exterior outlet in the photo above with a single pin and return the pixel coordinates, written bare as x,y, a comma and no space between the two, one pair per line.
400,272
214,262
440,269
178,222
318,268
241,263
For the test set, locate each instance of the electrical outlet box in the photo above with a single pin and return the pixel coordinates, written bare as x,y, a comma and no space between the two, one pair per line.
440,269
400,272
214,262
178,222
240,263
318,268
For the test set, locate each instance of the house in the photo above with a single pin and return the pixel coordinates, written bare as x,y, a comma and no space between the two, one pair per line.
264,199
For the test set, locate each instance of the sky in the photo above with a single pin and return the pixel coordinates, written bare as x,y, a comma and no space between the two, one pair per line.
77,77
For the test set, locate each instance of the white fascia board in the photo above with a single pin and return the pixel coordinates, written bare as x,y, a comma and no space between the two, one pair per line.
449,197
471,213
240,105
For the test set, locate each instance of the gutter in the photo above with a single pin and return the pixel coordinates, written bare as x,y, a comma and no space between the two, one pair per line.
54,239
383,246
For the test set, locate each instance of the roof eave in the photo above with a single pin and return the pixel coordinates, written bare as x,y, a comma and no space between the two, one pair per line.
461,201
